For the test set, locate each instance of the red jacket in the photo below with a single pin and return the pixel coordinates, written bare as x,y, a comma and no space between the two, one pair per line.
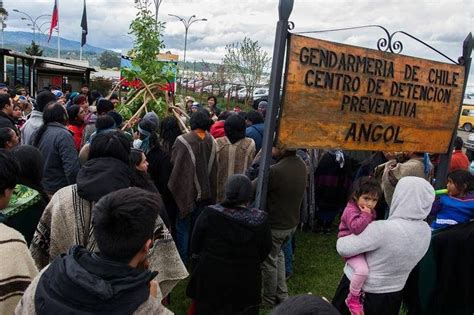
77,131
459,160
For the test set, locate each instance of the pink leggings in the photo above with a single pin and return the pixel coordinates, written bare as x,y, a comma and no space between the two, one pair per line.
361,271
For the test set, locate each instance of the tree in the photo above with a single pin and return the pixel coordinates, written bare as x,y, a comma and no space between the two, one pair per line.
101,84
145,63
34,49
246,61
109,59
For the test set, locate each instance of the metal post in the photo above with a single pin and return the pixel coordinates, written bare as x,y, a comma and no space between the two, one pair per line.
445,159
185,44
284,8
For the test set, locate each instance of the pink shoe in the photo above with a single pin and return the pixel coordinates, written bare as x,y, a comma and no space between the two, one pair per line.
354,305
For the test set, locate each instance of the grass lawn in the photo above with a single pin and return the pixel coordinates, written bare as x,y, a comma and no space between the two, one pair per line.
317,269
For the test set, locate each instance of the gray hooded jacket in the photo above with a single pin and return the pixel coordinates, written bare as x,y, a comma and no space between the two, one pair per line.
394,246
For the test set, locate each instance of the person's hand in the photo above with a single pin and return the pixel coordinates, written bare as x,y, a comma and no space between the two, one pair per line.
153,289
365,209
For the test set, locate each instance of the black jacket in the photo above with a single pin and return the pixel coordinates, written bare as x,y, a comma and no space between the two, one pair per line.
7,121
228,246
61,163
82,282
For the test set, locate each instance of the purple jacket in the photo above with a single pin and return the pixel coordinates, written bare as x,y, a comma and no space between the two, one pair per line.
353,220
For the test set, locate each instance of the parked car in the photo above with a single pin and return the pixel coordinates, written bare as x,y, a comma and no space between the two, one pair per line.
466,120
260,92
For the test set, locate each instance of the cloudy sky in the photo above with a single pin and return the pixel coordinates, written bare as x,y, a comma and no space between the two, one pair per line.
441,23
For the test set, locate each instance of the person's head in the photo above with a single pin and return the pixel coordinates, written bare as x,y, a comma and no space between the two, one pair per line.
124,224
113,144
200,120
460,182
118,119
55,112
105,122
17,114
3,88
254,117
195,107
114,99
366,192
169,131
306,304
8,177
138,160
95,96
61,98
147,129
82,101
458,143
104,106
30,163
234,128
224,115
85,89
211,101
76,115
262,107
6,104
8,138
43,99
412,199
238,191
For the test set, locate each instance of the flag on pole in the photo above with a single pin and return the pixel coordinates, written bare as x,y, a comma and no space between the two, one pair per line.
84,26
54,19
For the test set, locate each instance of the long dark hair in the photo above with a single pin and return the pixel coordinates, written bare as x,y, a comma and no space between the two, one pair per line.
73,113
31,165
52,113
169,132
234,128
139,178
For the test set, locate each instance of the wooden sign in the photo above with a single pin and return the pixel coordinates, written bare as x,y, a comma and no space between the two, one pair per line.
341,96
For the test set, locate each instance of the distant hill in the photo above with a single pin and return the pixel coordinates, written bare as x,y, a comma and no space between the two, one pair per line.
69,49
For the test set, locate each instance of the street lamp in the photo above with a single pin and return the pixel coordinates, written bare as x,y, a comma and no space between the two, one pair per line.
187,23
32,20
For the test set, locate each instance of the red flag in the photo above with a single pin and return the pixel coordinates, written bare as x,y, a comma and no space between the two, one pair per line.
54,19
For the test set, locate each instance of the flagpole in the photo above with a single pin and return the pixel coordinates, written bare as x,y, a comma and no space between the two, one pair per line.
80,53
59,41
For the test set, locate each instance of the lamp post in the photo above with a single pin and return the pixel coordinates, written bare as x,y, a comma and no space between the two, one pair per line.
33,21
187,23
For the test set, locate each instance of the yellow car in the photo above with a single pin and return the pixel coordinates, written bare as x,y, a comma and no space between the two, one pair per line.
466,120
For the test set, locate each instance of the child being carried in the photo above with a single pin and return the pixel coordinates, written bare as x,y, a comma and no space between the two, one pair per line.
359,212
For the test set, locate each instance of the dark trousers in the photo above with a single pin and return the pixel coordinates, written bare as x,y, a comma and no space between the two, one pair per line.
374,304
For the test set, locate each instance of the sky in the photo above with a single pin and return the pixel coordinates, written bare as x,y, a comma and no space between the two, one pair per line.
443,24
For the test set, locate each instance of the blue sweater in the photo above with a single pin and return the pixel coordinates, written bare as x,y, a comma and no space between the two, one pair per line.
453,211
256,133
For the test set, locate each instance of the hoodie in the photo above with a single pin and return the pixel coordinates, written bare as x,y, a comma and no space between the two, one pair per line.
101,176
31,126
229,244
82,282
394,246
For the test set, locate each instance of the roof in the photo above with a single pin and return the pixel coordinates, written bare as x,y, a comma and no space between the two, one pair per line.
50,63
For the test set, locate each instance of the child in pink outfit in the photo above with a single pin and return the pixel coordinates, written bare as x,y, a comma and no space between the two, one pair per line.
359,212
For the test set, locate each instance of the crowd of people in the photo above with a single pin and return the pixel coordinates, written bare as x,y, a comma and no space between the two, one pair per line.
101,215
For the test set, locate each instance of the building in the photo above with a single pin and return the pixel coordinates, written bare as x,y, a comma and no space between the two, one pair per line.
35,72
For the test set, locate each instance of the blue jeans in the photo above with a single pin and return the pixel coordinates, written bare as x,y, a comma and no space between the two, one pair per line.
288,253
184,229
